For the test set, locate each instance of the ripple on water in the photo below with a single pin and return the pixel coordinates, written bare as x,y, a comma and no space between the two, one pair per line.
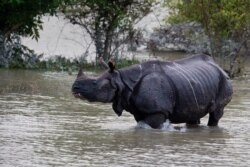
52,128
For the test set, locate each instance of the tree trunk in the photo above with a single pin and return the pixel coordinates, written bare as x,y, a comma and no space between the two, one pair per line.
98,39
107,44
103,43
3,60
236,64
98,43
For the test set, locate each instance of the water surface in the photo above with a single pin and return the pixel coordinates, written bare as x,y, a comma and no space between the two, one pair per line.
42,124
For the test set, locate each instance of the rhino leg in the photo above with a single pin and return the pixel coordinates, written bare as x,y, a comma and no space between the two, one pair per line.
215,116
216,110
155,120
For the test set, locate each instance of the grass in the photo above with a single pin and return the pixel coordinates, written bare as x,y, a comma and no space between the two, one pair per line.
59,63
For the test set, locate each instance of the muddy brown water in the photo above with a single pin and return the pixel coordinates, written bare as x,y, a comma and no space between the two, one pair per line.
42,124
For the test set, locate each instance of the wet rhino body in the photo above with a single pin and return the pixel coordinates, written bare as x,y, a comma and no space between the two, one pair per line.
182,91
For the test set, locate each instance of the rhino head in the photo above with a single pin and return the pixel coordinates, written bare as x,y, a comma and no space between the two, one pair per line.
113,86
96,89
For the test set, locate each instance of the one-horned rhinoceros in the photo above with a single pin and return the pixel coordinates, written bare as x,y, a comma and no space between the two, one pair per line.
182,91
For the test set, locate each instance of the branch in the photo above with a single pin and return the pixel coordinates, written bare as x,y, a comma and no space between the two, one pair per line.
80,23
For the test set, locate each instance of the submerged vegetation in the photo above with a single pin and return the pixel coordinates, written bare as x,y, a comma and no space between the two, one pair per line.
59,63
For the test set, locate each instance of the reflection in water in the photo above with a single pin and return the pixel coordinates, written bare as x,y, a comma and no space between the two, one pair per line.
42,124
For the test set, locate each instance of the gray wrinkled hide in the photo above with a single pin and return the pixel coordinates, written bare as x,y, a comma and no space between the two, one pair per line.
184,90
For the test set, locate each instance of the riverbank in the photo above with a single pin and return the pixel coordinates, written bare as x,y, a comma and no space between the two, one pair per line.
69,65
59,63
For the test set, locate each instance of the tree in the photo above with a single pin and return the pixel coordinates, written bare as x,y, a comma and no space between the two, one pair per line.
106,21
21,17
224,21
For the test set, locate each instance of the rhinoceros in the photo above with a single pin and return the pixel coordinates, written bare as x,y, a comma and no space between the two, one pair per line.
181,91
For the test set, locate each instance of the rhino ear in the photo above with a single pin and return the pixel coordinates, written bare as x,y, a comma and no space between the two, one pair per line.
103,63
111,65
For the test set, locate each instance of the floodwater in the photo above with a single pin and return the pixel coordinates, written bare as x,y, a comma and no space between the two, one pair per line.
42,124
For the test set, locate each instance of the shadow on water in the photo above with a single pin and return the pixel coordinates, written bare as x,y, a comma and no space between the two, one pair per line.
42,124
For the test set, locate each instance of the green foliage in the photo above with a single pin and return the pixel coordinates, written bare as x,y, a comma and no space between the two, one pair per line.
222,18
23,17
226,22
18,55
107,13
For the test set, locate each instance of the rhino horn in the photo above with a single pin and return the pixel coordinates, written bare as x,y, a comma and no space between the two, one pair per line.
80,73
